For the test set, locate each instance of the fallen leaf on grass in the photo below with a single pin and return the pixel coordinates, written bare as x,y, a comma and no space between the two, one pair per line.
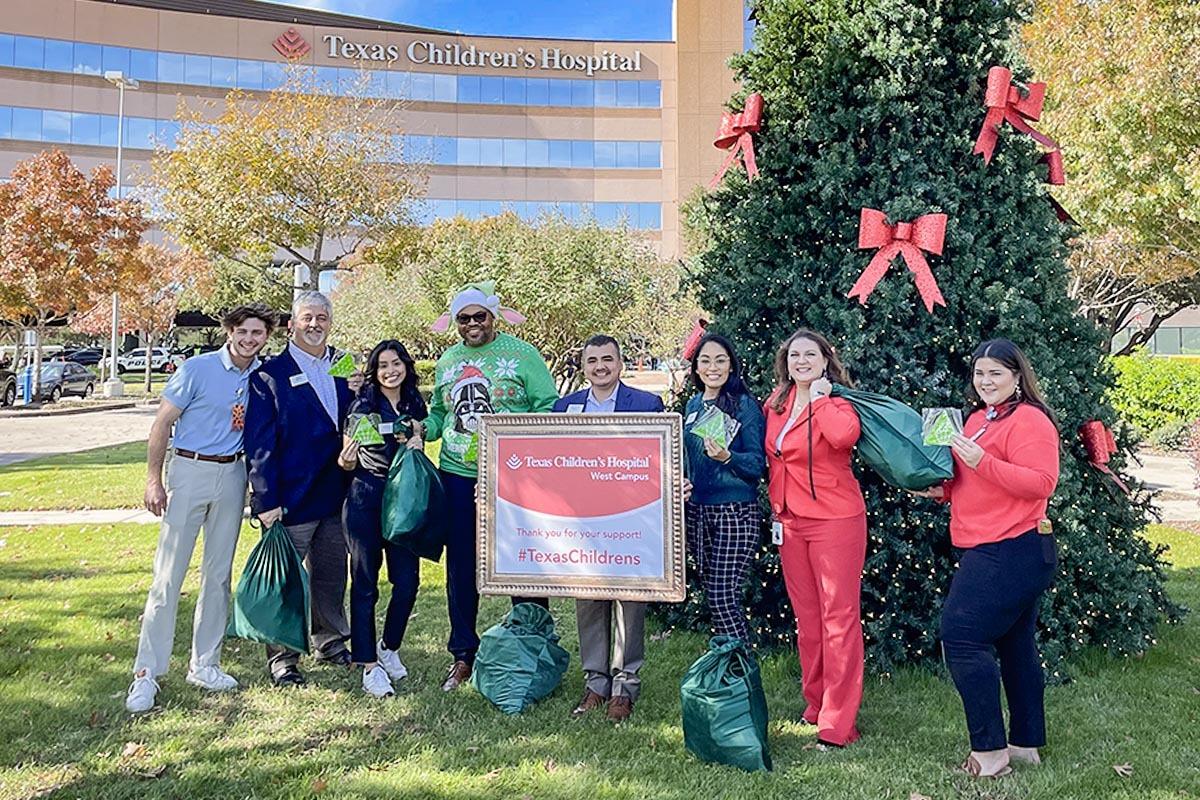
95,720
109,657
133,750
658,637
319,785
472,749
550,765
491,776
814,746
152,774
919,796
1124,770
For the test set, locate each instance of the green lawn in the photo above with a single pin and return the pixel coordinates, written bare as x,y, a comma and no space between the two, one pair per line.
69,604
106,477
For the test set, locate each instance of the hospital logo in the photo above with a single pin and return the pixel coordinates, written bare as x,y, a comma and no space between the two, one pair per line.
291,44
514,461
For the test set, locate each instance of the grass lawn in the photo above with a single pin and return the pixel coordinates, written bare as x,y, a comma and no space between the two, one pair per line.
106,477
69,604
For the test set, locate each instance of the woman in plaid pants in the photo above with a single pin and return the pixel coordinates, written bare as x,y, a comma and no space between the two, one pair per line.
725,461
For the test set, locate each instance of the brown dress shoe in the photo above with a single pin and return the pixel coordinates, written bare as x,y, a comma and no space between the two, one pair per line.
589,701
619,708
459,673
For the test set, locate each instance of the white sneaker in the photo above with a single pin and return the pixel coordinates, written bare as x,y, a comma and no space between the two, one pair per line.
376,683
211,678
141,694
390,660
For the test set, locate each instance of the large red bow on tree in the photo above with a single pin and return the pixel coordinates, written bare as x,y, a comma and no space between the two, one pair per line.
1100,445
734,134
926,232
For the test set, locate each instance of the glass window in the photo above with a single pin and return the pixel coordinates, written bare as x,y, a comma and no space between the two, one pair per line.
491,152
420,147
349,79
111,58
399,85
442,209
422,86
249,73
56,126
88,59
650,216
514,152
537,208
491,90
166,133
1168,342
224,71
1191,341
606,94
468,208
606,155
143,65
650,155
537,153
6,49
376,83
606,213
527,211
27,124
445,88
445,150
514,91
197,70
537,92
108,130
59,55
560,153
649,94
627,94
139,132
28,52
627,155
171,67
468,152
489,208
326,79
560,92
582,94
422,212
273,75
581,154
468,88
5,122
85,129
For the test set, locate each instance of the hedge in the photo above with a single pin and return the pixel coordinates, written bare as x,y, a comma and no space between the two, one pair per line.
1153,392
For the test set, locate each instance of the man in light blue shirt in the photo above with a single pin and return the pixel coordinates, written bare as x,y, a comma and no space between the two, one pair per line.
205,402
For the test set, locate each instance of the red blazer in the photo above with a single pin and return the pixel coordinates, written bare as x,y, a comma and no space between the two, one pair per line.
835,429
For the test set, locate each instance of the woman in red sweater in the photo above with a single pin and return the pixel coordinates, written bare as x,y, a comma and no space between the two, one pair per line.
1005,469
816,499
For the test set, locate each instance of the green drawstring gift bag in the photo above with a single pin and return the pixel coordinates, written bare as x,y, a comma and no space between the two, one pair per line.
724,708
414,505
893,442
271,604
519,661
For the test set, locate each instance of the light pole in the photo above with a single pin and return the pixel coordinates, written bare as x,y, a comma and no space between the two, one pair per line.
114,387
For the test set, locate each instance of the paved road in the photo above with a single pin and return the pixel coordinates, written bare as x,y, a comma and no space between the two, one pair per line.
22,439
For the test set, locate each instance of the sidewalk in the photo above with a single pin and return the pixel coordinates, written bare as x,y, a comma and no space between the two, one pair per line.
93,516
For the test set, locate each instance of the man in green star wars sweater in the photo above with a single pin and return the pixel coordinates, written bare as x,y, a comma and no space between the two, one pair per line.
489,372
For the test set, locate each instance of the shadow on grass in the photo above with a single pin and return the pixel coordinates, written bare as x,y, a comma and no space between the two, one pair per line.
109,455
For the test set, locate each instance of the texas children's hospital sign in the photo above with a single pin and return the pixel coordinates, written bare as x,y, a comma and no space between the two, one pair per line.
453,54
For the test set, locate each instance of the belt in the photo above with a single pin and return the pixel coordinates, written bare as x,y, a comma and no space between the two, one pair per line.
179,451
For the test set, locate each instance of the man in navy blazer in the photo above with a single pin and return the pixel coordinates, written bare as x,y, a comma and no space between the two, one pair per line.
293,436
610,675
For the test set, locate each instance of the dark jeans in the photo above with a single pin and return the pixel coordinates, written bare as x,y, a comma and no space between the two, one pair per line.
361,518
991,612
461,595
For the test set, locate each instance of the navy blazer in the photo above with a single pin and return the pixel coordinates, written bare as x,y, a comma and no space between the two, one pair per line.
292,445
629,400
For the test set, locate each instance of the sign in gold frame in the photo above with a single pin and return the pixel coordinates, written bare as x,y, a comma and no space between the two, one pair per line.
666,429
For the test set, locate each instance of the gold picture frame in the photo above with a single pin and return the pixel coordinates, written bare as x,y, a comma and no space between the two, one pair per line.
656,527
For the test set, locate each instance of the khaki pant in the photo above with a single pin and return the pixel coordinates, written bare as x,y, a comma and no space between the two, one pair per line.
611,672
200,494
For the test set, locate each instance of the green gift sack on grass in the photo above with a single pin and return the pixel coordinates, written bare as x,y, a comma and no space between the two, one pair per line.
519,661
271,604
893,442
724,708
414,505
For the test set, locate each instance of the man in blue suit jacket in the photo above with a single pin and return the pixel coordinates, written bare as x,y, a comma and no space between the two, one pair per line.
293,437
611,676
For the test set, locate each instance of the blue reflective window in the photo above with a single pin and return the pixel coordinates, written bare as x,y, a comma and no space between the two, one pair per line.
468,88
224,72
171,68
514,152
537,153
422,86
606,213
112,58
491,90
197,70
468,152
627,94
581,154
442,209
249,73
108,130
29,52
143,65
6,49
27,123
59,55
420,147
491,153
570,211
627,155
560,153
88,59
650,216
139,132
376,83
606,155
514,91
422,212
399,85
445,88
582,94
468,208
538,208
650,155
560,92
85,129
445,150
326,79
5,122
166,133
537,92
349,80
273,75
606,94
489,208
649,94
56,126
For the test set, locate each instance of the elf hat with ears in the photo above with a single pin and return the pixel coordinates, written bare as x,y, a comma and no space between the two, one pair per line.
482,293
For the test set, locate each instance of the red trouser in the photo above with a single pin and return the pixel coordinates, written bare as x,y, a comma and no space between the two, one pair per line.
822,566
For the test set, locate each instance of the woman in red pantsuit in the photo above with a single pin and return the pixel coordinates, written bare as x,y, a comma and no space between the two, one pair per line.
816,498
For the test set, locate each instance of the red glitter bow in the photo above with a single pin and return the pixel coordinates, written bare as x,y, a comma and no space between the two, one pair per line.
926,233
734,134
693,339
1100,445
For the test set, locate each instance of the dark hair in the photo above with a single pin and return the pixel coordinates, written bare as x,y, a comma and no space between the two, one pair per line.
236,316
833,367
601,340
733,390
411,402
1011,357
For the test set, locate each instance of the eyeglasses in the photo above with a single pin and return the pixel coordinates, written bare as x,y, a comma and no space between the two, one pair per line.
479,317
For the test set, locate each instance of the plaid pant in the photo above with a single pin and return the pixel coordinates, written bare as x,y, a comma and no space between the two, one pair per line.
722,539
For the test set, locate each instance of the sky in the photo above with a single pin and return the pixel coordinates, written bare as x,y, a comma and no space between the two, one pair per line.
638,20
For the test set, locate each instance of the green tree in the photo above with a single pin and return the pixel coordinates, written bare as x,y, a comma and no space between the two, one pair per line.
876,104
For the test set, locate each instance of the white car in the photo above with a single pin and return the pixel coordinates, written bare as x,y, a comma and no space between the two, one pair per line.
161,360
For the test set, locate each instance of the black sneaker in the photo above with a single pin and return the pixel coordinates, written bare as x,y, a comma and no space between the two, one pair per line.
288,677
341,658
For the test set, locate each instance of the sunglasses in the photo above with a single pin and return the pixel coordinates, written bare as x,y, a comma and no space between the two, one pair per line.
479,317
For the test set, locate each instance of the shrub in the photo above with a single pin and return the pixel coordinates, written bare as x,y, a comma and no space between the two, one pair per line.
1153,392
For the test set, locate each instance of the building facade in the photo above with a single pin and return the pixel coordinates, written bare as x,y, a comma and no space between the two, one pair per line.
615,130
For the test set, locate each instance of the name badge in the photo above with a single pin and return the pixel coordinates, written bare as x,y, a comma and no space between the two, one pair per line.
298,380
386,427
575,408
690,418
776,532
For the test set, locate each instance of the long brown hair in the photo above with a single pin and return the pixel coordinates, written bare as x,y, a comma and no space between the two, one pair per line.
833,368
1011,357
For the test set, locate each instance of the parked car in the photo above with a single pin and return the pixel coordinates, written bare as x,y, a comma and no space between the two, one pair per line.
161,360
66,377
88,356
8,387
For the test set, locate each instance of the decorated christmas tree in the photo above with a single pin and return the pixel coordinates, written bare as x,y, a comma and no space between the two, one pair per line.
879,105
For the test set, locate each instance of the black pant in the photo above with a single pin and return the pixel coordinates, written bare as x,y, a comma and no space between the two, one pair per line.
361,518
991,612
461,595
